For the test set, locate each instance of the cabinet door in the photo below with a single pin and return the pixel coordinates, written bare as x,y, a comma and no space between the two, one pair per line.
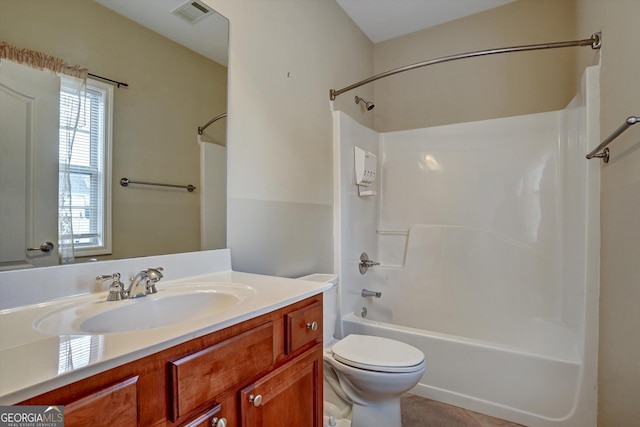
290,396
116,405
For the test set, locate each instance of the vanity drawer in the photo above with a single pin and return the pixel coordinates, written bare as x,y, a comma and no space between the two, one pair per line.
196,379
302,326
205,419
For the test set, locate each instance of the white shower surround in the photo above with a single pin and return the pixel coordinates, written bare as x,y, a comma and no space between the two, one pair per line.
488,236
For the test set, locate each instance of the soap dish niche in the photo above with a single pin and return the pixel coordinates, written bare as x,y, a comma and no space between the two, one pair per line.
365,168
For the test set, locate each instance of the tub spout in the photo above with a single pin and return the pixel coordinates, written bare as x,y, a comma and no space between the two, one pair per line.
367,293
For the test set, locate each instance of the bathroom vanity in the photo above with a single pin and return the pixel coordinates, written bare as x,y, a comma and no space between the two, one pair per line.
258,362
249,374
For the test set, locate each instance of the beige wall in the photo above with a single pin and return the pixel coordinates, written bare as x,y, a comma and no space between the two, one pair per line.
284,57
478,88
619,358
172,91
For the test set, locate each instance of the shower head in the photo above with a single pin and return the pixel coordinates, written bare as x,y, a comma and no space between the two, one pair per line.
367,104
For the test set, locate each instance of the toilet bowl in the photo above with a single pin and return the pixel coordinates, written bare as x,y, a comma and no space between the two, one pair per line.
373,373
364,376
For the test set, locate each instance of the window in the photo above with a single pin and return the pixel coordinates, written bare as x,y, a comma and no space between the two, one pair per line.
90,166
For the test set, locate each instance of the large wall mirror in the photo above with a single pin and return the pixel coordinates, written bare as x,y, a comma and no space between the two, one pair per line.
176,73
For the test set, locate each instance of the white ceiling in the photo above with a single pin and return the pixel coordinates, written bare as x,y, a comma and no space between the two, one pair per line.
385,19
209,37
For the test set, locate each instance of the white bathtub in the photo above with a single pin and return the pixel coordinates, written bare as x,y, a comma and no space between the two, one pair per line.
498,380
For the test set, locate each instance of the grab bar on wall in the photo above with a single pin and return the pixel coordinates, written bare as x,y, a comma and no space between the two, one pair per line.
216,118
126,181
616,133
595,42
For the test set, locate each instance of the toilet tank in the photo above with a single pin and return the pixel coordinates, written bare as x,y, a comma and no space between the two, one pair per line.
330,304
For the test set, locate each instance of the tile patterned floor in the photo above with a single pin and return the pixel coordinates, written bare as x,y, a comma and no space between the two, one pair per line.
420,412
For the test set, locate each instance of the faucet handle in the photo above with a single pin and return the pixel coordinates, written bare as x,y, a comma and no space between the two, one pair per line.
116,289
365,263
154,275
103,277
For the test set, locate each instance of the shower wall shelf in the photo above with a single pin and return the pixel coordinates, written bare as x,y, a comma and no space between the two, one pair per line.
601,151
126,181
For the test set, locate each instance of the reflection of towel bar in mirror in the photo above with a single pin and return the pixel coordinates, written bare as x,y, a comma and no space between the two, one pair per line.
126,181
215,119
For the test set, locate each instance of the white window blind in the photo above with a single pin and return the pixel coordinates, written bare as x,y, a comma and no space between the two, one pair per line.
89,167
76,351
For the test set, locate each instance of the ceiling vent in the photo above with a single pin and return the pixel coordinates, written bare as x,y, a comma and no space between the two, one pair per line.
193,11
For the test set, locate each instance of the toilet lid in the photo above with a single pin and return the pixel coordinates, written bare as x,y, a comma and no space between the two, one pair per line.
378,354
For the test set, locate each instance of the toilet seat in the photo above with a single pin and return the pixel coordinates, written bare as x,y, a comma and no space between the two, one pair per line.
378,354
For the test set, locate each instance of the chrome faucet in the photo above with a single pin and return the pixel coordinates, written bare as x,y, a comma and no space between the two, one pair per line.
142,284
365,263
367,293
138,285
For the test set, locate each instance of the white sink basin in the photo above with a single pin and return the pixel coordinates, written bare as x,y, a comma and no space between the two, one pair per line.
169,306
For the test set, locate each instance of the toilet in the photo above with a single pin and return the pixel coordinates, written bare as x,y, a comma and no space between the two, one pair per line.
373,373
364,376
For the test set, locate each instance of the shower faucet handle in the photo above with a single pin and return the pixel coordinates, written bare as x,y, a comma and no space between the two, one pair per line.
365,263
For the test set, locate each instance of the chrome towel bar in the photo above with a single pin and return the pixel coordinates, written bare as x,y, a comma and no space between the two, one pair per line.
604,155
126,181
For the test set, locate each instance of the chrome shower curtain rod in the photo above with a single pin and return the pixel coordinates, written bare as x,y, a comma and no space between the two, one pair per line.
595,42
216,118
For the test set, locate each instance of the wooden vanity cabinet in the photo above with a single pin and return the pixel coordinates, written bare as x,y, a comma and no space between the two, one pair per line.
277,356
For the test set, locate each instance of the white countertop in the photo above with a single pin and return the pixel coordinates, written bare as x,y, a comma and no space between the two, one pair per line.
33,362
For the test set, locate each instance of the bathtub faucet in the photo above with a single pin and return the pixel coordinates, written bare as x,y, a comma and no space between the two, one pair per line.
367,293
365,263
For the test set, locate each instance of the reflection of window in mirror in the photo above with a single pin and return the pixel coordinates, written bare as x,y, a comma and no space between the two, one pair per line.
89,165
78,351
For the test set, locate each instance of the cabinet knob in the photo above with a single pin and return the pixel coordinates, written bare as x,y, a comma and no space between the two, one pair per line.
256,400
218,422
312,325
